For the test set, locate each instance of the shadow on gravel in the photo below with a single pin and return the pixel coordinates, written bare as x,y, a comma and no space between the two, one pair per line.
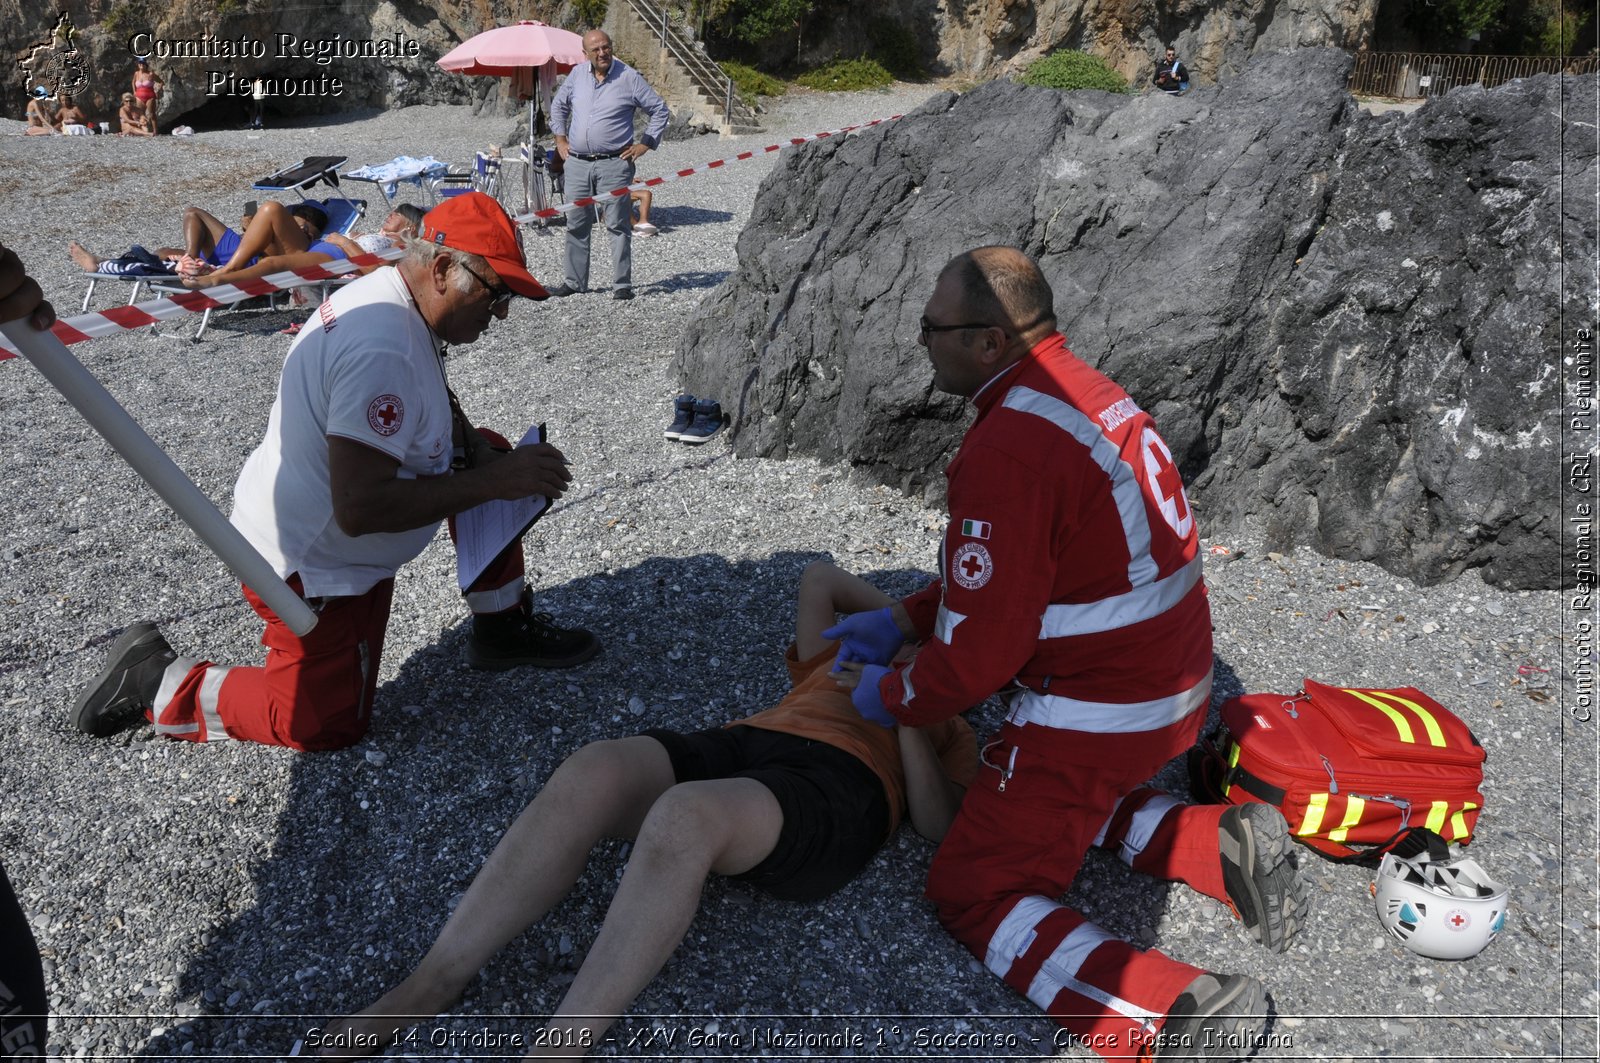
678,217
684,281
376,843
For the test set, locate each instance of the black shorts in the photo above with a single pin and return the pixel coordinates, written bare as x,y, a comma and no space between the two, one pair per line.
835,813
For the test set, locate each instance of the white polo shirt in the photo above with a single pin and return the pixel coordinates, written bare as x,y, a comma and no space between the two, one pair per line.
364,368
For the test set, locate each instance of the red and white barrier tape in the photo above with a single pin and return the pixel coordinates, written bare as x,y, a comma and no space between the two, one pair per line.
82,327
127,318
620,193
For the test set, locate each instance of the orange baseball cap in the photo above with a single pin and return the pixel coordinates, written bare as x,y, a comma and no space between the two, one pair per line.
477,224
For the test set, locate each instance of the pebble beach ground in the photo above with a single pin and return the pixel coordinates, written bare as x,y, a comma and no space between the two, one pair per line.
224,901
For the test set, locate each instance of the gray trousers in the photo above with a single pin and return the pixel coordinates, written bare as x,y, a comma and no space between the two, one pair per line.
588,179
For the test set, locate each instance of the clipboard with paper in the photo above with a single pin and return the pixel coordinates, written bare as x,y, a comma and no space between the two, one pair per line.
485,530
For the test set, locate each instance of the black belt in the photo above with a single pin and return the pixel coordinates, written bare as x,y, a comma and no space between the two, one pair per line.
596,158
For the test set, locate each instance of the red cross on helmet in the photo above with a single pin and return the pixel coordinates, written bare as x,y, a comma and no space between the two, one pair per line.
1447,909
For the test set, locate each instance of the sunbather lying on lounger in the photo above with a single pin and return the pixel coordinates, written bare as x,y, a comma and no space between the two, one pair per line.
285,238
206,240
794,800
401,225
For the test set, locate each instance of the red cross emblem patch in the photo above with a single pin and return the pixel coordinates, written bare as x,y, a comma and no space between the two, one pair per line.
1457,919
971,566
385,414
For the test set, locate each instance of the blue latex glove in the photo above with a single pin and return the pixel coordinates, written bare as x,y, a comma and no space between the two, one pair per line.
871,637
867,698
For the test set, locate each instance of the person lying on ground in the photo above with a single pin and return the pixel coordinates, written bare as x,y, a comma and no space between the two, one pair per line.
794,800
131,118
401,225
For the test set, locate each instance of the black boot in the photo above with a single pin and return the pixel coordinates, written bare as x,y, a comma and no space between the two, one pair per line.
520,637
128,685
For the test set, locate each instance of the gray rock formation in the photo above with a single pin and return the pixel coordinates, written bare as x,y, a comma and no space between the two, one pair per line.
1344,324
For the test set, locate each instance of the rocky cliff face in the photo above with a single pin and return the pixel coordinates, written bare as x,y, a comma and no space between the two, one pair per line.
208,51
1345,325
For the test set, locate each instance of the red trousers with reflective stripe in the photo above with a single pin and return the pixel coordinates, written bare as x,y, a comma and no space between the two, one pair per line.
1011,853
314,692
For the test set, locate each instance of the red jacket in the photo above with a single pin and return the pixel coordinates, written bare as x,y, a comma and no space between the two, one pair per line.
1071,563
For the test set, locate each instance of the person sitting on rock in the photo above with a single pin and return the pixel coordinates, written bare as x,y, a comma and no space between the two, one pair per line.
1172,77
794,800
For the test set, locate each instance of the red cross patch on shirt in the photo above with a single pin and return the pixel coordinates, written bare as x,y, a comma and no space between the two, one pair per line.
971,566
385,414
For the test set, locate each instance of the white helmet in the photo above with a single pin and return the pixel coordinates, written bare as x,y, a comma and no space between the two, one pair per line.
1447,908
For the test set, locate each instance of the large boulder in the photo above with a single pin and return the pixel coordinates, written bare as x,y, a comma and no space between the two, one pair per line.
1344,324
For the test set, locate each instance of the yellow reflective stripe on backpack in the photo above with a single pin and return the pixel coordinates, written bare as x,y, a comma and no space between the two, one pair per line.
1233,762
1353,808
1429,721
1436,815
1458,822
1316,805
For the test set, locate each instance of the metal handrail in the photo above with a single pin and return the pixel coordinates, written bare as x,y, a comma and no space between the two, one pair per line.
704,72
1419,75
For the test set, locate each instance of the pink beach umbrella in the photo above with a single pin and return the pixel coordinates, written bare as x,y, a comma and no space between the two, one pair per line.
521,53
503,51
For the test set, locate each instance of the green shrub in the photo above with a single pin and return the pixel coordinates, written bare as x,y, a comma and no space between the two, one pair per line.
1073,70
123,19
895,46
847,75
751,82
589,12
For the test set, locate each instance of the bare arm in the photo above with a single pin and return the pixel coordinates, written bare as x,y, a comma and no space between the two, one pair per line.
932,797
826,590
369,497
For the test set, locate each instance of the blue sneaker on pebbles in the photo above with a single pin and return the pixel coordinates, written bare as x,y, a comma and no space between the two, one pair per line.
682,416
707,423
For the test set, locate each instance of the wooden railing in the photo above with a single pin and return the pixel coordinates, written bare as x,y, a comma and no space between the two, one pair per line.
1418,75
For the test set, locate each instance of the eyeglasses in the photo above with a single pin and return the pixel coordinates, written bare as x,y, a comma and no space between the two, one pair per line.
928,327
499,294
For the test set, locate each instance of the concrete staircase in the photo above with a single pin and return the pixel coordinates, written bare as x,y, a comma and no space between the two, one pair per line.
684,75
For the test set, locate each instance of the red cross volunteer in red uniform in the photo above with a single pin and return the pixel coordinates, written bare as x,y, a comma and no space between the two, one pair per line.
366,451
1071,584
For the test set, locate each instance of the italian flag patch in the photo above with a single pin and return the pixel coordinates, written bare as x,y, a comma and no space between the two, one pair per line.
976,529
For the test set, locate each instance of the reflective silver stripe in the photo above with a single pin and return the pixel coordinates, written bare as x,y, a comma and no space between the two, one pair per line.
1016,932
1142,568
1121,610
1142,827
1060,971
944,626
210,688
498,600
1100,835
170,679
905,681
1107,717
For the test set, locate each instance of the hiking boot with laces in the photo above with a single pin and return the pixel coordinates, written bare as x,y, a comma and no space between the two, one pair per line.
707,423
1217,1016
519,637
1264,889
128,684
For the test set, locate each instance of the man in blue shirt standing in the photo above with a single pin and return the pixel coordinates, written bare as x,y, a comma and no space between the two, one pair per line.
592,118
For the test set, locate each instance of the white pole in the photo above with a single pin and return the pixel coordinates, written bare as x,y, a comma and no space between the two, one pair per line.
103,413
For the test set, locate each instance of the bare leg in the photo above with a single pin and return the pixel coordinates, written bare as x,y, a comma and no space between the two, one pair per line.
201,231
603,790
272,231
721,825
82,258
